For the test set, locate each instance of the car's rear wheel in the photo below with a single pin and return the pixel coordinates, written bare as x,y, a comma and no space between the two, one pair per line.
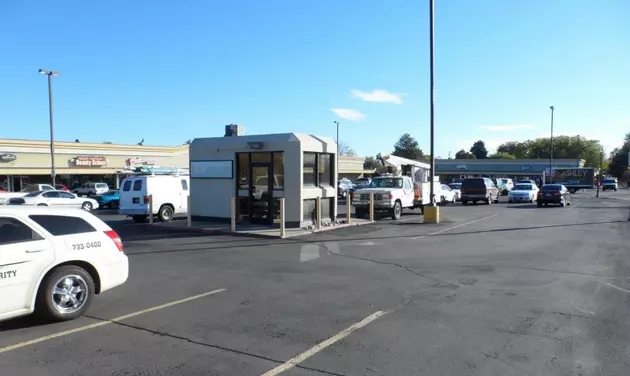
165,214
464,202
65,294
113,205
489,201
454,200
42,205
87,206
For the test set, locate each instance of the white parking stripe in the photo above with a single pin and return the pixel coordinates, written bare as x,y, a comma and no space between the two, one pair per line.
321,346
103,323
615,287
454,227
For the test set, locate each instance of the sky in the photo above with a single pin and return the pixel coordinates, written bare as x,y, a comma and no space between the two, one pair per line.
168,71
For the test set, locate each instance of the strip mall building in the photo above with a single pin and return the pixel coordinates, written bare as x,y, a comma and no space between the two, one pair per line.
25,162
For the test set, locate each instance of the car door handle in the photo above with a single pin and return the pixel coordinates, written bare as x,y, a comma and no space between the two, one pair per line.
34,251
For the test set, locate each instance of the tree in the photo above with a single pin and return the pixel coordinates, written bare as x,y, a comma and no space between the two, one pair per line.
564,147
188,142
345,149
463,154
407,147
502,155
371,163
479,150
618,164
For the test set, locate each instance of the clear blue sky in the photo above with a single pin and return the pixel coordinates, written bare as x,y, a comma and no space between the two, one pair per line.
171,71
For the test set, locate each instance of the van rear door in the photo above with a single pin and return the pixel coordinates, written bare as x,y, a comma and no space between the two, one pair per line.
132,196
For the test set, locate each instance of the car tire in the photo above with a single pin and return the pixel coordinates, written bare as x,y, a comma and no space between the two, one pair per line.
166,213
42,205
344,194
114,204
489,201
539,204
396,211
464,202
454,200
87,206
563,203
78,286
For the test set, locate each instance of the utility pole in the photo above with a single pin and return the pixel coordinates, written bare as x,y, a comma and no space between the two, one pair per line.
578,151
432,96
50,74
601,163
338,152
551,148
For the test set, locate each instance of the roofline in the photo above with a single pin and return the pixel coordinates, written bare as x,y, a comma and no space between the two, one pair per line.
83,145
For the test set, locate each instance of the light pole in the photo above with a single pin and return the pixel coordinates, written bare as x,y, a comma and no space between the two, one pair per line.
601,162
578,151
337,158
551,147
432,97
50,74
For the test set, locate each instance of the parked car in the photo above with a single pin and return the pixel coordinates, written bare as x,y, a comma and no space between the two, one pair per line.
609,184
60,199
169,192
554,194
61,257
5,196
61,187
508,185
447,195
344,188
456,187
523,192
109,199
91,189
479,189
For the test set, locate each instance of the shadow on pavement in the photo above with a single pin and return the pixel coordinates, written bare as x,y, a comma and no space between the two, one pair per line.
23,322
527,228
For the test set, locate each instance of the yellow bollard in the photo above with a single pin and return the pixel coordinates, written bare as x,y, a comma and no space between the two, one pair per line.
372,206
151,209
282,224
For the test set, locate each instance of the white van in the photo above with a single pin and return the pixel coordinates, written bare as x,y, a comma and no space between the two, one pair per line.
170,196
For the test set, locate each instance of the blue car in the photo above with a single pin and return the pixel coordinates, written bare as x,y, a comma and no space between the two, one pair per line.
109,199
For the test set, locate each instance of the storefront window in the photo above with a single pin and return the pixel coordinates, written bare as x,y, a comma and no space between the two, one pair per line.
324,169
308,169
243,170
278,170
261,157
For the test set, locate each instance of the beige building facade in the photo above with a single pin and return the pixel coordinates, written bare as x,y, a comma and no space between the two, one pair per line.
28,162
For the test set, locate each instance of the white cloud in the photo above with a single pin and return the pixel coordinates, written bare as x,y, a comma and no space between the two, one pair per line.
349,114
381,96
501,128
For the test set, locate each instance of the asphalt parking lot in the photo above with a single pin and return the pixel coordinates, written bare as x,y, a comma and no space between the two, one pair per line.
504,289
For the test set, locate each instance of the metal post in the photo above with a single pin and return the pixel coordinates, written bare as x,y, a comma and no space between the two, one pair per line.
338,152
151,209
551,147
372,206
578,153
282,225
432,96
601,162
52,129
348,210
233,214
189,214
318,213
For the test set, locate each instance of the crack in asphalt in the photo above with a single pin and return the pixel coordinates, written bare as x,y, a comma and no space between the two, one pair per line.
209,345
401,266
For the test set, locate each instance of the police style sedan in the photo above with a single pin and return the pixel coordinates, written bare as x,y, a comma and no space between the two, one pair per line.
53,261
523,192
55,198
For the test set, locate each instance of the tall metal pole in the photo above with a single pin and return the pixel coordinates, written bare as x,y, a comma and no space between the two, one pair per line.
338,152
50,74
551,148
432,80
579,150
52,130
601,162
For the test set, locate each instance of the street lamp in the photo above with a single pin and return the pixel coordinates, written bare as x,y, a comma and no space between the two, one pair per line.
52,127
432,97
337,158
551,147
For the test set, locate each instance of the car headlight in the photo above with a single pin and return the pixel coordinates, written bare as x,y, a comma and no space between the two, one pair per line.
356,195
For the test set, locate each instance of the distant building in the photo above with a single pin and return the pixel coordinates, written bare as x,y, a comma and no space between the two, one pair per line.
449,169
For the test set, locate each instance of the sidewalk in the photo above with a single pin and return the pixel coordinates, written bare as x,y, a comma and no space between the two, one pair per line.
250,230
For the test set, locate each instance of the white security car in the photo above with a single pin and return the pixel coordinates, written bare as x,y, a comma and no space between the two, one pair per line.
523,192
53,261
61,199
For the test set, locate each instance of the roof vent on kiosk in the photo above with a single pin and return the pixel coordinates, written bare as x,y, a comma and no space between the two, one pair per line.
232,130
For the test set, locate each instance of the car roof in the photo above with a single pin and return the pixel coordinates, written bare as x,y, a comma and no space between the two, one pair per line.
28,210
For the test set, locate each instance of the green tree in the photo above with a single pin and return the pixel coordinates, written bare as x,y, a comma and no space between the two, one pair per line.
618,164
371,163
407,147
564,147
479,150
463,154
501,155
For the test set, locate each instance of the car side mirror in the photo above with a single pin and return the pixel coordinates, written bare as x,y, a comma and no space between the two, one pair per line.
73,197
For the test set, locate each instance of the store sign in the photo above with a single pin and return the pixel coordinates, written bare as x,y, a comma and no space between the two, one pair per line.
6,158
137,161
526,168
462,167
89,161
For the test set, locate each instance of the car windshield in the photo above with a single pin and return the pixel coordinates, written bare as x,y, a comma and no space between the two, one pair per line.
455,185
551,187
34,194
386,183
523,187
609,181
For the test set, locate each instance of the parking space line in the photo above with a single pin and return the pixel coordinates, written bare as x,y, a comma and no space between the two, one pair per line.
614,287
322,345
454,227
106,322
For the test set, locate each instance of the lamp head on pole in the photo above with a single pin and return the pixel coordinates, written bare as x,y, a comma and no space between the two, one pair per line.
551,108
48,73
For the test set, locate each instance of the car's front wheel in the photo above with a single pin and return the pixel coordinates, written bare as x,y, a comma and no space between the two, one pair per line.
396,211
87,206
65,294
